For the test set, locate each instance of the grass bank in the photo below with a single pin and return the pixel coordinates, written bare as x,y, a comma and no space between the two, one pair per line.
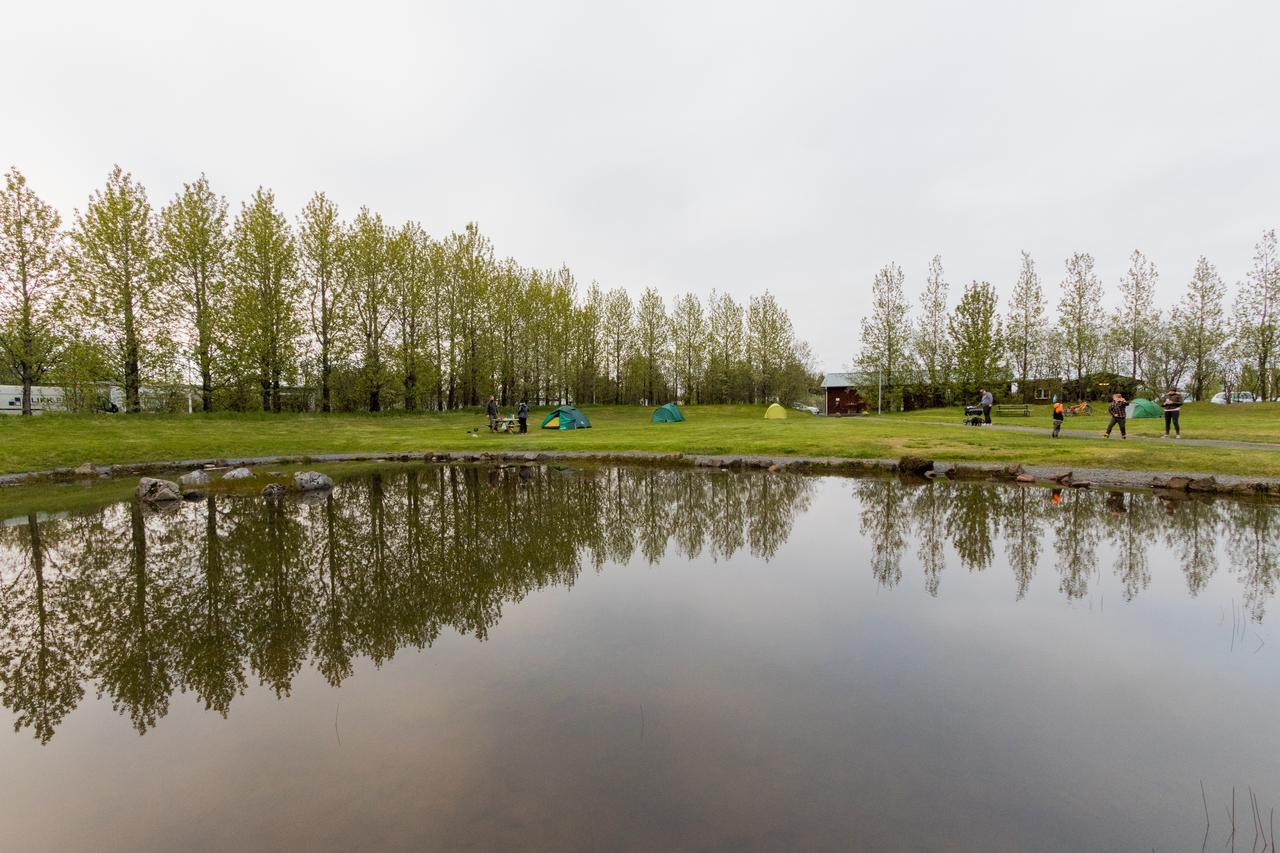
50,441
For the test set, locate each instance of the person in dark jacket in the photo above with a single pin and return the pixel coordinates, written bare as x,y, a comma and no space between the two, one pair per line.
522,414
1171,402
1118,411
491,408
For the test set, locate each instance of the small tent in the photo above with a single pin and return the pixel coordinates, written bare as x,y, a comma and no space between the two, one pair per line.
668,414
566,417
1141,408
775,412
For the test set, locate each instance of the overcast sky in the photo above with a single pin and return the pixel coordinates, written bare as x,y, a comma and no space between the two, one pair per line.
690,146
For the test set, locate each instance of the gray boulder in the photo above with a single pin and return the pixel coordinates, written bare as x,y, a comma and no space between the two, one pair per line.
193,479
311,481
238,474
152,490
273,490
88,469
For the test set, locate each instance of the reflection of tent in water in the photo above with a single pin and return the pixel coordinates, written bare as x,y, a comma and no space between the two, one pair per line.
775,412
566,417
1141,408
668,414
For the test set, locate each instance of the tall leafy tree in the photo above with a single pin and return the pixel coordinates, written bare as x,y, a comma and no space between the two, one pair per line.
1025,324
116,267
1257,316
932,347
886,331
689,334
977,338
769,345
618,316
194,248
367,278
320,244
1198,321
266,293
726,349
652,342
1133,322
1080,314
471,268
410,261
32,267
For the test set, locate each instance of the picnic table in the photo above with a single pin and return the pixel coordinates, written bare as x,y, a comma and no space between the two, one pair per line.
506,425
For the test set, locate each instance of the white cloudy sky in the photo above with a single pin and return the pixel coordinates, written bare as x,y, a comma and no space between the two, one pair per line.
740,146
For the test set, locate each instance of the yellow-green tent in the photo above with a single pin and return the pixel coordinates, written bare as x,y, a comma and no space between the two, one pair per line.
775,412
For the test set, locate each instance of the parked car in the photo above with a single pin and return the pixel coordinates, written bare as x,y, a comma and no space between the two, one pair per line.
1236,397
801,407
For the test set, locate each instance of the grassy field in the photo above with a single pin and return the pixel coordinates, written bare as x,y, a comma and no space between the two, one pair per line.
49,441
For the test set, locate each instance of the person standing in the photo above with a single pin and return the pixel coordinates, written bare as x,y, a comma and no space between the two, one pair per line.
491,408
1058,415
1171,402
522,414
1118,411
987,402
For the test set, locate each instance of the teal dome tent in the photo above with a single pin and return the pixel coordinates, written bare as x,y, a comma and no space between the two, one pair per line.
668,414
566,417
1142,408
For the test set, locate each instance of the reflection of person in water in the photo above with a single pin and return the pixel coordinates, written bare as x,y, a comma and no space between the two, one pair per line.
1055,496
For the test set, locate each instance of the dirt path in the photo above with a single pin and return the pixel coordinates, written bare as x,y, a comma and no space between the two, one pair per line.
1096,435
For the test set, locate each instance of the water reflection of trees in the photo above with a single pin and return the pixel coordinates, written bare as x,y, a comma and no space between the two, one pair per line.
206,596
1067,528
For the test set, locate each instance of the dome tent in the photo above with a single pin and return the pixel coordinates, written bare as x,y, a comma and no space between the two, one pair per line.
668,414
775,412
1142,408
566,417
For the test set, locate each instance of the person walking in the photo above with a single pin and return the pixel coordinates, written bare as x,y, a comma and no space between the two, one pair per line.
1058,415
987,402
1171,402
1118,411
522,414
492,409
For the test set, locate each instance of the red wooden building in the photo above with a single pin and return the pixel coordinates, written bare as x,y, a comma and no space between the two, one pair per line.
840,397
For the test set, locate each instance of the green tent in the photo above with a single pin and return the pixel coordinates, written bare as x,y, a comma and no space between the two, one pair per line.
775,412
566,417
668,414
1141,408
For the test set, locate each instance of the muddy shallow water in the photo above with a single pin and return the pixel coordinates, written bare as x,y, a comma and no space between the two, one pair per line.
445,657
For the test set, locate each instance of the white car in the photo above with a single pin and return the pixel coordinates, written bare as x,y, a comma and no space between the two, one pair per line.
1236,397
801,407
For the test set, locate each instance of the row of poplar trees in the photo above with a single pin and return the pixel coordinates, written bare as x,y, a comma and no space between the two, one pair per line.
1209,338
258,312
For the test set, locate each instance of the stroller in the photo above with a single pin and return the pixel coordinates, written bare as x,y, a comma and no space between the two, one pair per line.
973,415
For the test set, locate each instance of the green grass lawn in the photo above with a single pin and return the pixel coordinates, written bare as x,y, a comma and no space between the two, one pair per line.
1242,422
50,441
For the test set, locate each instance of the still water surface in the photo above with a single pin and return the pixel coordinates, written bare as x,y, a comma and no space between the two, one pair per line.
462,657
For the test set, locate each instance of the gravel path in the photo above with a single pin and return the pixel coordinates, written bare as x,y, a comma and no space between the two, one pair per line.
1097,435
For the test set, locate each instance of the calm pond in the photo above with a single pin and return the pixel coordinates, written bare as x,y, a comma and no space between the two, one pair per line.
599,658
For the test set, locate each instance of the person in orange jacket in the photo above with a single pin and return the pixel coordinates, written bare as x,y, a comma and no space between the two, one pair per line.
1058,415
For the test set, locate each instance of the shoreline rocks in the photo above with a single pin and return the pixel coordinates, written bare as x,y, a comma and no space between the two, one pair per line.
311,481
152,490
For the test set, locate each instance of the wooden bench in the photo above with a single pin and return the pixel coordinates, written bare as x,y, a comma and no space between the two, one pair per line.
1021,410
